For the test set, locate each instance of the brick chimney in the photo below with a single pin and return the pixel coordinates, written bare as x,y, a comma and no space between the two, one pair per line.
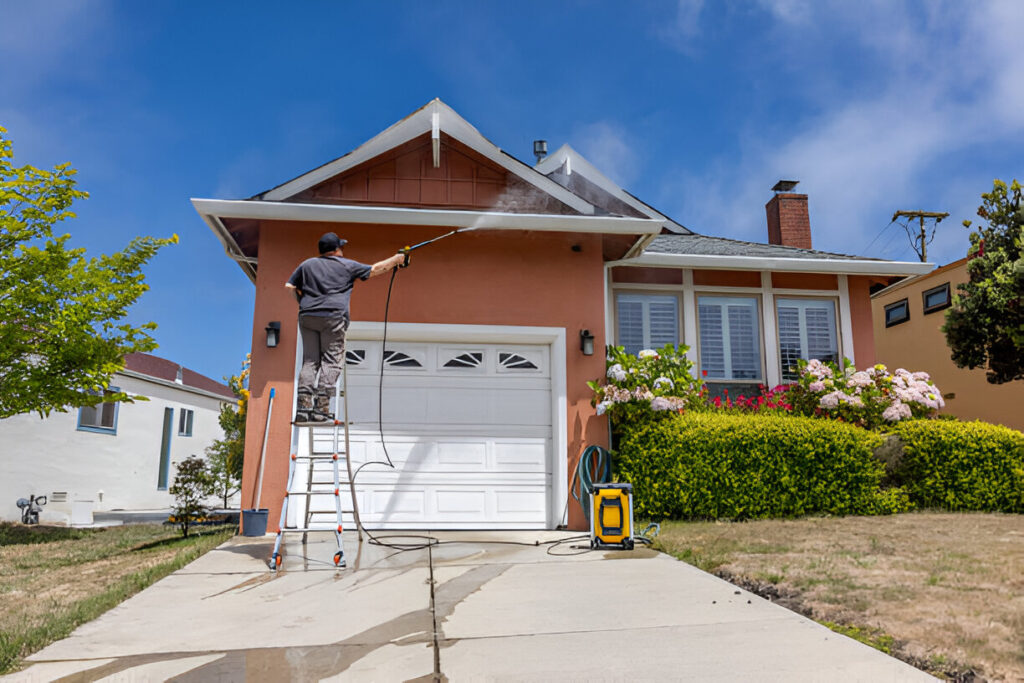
789,224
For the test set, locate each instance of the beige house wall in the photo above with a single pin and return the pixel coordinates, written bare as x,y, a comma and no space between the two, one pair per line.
919,344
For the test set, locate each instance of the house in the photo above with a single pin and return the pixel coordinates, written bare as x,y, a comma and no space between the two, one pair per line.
908,318
485,408
113,456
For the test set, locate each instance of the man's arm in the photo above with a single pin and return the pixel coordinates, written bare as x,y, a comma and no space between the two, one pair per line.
387,264
298,292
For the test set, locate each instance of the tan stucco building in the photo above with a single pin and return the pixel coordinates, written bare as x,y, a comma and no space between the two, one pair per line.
908,317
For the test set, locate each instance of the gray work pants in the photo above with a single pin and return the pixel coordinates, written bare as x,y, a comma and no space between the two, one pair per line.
323,351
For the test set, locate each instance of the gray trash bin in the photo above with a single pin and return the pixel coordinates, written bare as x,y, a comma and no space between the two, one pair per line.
254,522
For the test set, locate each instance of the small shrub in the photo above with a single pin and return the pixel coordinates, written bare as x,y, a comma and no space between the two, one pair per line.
716,465
192,485
962,465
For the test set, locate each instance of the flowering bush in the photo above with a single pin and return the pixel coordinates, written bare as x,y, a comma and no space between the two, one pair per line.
776,400
869,398
651,381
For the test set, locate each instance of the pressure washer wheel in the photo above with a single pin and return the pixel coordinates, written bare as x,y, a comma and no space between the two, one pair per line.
339,559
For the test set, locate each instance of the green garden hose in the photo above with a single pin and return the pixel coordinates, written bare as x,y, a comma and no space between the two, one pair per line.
594,459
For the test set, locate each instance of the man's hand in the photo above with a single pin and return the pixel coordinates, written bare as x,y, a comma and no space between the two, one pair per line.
387,264
298,292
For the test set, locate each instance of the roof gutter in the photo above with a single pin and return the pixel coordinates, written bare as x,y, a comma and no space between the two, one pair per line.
215,209
174,385
798,265
231,248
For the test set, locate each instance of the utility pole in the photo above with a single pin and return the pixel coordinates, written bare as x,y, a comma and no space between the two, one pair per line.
921,238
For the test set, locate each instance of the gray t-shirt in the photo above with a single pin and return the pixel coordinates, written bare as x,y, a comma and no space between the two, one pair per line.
326,284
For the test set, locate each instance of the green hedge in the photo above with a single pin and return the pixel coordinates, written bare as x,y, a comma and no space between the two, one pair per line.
753,466
962,465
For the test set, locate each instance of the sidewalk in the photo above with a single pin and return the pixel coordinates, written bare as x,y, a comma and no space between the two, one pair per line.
453,612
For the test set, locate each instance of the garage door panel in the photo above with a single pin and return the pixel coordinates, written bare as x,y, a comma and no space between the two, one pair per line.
467,426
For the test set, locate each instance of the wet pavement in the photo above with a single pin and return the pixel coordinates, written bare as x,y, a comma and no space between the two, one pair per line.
502,606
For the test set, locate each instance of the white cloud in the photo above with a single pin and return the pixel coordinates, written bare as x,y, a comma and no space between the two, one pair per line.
684,28
945,89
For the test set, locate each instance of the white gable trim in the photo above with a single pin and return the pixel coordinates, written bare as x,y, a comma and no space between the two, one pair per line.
386,215
418,123
577,164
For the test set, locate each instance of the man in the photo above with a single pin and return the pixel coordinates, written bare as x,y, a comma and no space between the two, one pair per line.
323,286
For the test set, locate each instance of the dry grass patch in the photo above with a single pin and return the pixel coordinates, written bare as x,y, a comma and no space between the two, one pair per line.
949,588
54,579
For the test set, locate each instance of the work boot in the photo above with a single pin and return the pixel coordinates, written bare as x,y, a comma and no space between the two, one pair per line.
303,405
322,409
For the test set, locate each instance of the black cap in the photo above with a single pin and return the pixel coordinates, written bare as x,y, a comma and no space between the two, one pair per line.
329,242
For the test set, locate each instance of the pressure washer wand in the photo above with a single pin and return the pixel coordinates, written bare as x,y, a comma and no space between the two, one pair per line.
407,250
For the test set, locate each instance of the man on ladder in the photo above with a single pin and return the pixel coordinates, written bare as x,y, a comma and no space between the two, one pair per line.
323,286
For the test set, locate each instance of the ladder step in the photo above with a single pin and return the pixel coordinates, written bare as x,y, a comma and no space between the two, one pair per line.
292,529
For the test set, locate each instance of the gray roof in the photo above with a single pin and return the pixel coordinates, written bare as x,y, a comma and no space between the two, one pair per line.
721,246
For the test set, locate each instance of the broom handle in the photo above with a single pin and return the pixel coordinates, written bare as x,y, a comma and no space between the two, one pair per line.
263,450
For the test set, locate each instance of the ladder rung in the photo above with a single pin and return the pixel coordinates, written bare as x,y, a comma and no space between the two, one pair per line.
326,457
305,529
313,493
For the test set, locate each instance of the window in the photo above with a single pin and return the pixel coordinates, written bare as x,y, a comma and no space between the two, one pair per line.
647,321
807,329
730,338
101,417
185,422
897,313
936,299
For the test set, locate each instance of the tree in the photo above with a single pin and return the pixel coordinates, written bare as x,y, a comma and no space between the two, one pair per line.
62,334
985,325
226,455
192,485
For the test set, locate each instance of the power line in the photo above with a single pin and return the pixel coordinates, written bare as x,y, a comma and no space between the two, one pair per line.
919,241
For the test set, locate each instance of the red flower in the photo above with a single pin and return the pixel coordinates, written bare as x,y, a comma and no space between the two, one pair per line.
704,372
718,401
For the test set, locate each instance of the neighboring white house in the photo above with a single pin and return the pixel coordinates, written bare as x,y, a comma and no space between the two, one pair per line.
114,456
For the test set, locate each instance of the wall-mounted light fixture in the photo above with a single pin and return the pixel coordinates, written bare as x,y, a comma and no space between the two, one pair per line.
586,343
273,334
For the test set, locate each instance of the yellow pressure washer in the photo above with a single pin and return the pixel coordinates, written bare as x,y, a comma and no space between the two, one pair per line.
611,517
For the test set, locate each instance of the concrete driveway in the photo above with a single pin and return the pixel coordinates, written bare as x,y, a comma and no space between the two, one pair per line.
460,611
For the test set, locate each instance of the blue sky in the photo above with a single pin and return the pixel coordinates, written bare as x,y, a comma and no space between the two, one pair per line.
696,107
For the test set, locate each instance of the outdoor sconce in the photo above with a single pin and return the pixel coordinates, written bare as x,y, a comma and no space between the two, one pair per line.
273,334
586,343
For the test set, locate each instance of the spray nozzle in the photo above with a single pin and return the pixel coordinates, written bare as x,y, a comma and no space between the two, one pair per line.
405,251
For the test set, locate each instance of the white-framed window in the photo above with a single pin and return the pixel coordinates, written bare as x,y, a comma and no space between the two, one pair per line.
646,321
101,417
807,329
730,339
185,417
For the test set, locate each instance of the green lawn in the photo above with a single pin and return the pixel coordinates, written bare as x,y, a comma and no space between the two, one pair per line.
53,579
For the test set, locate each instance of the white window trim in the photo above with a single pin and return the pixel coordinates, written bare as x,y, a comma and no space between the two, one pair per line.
555,337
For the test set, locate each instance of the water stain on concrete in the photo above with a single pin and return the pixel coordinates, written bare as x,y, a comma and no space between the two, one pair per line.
315,662
635,554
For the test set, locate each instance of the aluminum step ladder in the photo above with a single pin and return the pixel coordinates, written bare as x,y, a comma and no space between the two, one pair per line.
316,479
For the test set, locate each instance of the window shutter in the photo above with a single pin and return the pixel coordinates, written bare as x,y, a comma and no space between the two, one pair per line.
712,346
744,342
821,332
790,351
663,326
631,324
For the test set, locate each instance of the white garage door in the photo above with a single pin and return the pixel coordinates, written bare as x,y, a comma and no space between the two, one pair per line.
468,427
